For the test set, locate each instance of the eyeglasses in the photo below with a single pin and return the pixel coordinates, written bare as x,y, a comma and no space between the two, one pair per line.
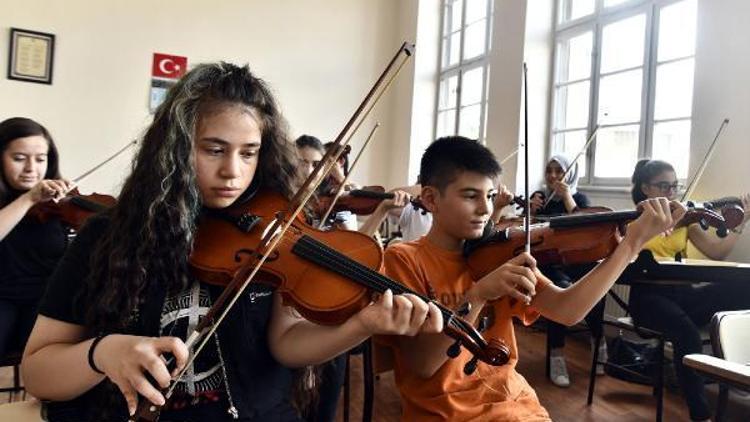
666,186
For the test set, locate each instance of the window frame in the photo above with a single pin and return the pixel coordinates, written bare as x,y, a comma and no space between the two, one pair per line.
463,66
596,22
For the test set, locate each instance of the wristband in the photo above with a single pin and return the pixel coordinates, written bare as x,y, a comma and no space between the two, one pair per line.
94,343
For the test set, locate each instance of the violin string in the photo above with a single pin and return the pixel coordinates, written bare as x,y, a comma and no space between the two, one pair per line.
334,260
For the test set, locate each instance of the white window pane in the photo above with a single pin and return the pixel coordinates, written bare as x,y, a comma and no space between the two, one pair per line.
574,9
476,39
471,86
573,109
448,91
674,89
475,10
672,144
455,48
620,97
610,3
575,58
616,151
622,44
469,121
570,144
677,30
455,8
446,123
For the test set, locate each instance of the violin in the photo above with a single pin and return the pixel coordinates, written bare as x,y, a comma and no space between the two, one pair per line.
362,201
343,265
567,240
73,209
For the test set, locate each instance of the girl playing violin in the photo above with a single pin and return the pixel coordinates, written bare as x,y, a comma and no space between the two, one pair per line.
123,295
29,250
310,150
679,310
561,197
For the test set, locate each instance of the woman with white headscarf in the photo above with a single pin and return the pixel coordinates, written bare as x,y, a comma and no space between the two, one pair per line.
562,197
565,196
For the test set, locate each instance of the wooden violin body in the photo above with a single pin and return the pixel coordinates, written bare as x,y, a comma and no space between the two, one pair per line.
73,209
222,247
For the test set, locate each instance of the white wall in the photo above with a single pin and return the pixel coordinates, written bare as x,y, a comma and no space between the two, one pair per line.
722,89
320,57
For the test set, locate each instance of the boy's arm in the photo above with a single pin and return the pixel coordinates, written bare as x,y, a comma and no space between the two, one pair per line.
570,305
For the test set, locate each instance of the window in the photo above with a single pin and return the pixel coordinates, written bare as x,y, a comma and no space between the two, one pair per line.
462,87
627,66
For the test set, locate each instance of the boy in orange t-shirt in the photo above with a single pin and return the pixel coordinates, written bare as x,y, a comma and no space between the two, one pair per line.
458,187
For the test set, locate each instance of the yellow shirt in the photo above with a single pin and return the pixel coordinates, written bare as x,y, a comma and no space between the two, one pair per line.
491,393
669,246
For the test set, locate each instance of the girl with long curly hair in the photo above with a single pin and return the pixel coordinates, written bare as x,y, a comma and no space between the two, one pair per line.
123,294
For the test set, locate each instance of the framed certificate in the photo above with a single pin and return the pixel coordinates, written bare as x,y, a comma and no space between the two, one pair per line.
31,56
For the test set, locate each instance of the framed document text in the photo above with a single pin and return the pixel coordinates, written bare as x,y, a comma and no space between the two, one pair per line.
31,56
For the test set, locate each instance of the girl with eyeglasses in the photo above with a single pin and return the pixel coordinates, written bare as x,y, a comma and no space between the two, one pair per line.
679,310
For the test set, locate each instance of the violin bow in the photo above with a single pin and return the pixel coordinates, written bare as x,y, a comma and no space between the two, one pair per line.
100,165
274,233
693,183
346,178
573,163
527,217
509,156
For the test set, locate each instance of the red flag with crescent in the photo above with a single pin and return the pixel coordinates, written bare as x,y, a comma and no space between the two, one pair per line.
167,66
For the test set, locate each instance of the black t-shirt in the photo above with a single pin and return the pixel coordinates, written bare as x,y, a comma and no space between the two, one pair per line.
28,255
259,386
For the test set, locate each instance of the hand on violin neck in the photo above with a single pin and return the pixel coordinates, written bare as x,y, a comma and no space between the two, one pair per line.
50,190
404,314
658,216
516,278
123,359
503,198
400,199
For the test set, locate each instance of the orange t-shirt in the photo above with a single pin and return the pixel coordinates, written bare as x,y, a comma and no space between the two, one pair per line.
491,393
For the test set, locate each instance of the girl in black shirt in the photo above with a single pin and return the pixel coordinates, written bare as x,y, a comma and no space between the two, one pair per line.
29,249
123,295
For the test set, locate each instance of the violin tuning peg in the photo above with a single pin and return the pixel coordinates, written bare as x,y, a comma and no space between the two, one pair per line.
471,366
483,324
464,309
454,350
703,223
722,232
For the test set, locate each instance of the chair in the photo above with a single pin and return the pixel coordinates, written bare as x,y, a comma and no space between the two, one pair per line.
13,359
626,323
730,341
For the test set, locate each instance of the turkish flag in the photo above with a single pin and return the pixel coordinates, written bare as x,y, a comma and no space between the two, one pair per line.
166,66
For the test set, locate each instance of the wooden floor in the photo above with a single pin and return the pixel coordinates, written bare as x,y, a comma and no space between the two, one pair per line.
614,401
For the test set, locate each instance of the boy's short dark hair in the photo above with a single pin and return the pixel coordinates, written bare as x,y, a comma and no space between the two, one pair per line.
309,141
448,156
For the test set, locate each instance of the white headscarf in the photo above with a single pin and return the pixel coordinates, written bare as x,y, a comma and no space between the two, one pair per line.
571,179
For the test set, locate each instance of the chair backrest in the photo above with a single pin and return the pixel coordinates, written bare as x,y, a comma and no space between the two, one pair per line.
730,335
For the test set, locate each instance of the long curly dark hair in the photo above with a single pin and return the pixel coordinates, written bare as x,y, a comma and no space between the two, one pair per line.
151,230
